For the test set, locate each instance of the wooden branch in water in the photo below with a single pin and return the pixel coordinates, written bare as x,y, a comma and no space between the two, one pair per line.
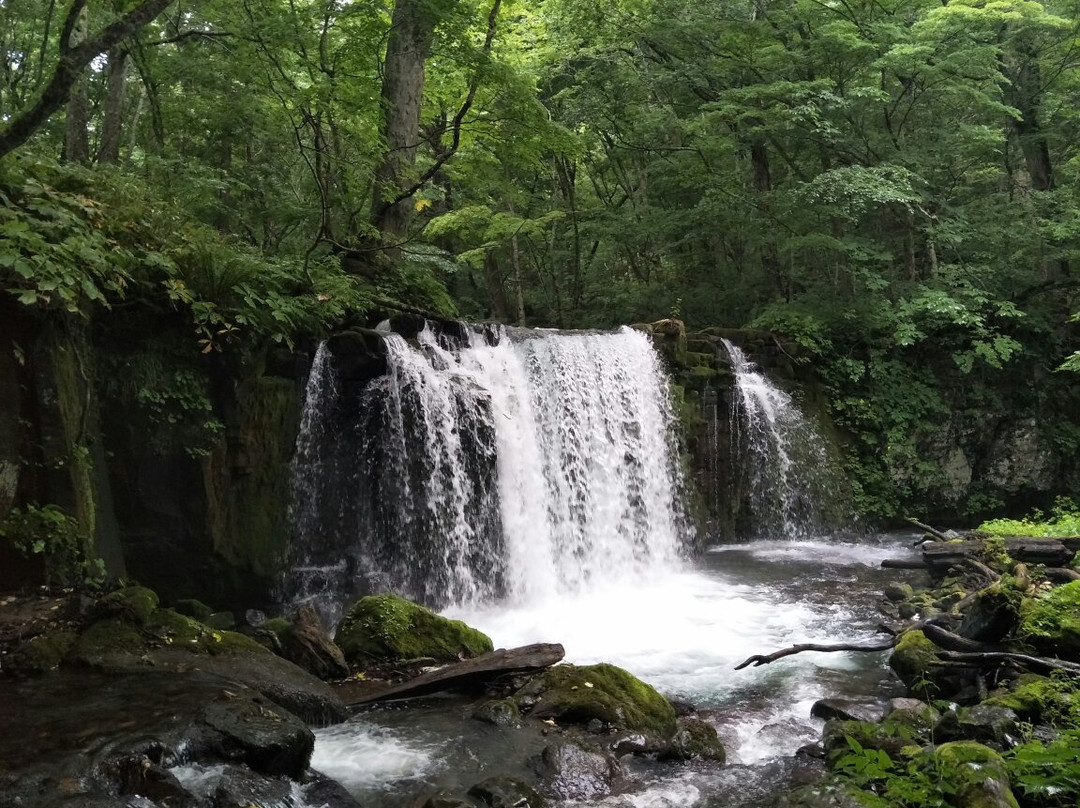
937,534
765,659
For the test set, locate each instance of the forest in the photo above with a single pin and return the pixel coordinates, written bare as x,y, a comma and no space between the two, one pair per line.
890,185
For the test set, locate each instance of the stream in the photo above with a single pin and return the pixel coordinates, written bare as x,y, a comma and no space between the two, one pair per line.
682,630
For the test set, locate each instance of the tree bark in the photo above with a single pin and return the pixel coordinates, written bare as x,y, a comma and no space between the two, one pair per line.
72,62
76,127
113,124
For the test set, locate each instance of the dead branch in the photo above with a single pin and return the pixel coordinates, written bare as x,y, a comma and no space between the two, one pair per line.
937,534
765,659
1046,664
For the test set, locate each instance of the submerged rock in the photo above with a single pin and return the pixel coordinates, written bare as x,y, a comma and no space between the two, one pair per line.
389,628
695,738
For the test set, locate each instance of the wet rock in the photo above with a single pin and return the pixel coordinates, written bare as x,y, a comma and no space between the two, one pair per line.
811,751
987,723
322,791
914,659
993,614
579,694
694,738
913,714
633,744
572,772
307,644
848,710
260,735
138,775
506,792
390,628
897,592
444,799
500,712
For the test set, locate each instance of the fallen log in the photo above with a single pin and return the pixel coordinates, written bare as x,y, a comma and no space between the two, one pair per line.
937,534
940,556
465,674
947,640
903,564
996,658
764,659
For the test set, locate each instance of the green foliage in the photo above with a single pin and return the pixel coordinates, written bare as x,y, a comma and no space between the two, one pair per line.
919,782
1064,520
49,532
1048,775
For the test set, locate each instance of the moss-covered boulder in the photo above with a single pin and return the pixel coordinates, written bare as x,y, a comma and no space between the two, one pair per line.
579,694
386,628
190,607
976,773
914,659
1041,700
132,604
41,654
1051,622
994,613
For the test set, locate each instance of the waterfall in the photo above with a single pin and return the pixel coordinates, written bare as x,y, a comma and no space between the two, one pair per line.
791,483
514,466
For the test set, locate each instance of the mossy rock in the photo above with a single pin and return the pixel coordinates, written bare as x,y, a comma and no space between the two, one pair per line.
105,638
695,738
190,607
914,659
579,694
895,738
41,654
389,628
993,614
1041,700
134,604
977,774
1051,622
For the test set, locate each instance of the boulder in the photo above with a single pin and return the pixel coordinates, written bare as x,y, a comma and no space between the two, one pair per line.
847,710
385,628
307,644
578,694
572,772
499,712
506,792
986,723
976,772
694,738
993,614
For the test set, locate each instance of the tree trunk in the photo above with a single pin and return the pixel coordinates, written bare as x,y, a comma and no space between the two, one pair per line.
113,125
407,48
76,133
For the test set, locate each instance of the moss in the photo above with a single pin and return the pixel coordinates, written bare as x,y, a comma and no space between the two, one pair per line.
580,694
1051,622
42,653
896,736
109,636
387,627
1041,700
976,772
184,632
279,625
914,659
133,603
191,607
695,738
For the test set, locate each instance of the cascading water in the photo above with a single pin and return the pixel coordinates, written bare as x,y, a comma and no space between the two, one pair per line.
791,483
516,470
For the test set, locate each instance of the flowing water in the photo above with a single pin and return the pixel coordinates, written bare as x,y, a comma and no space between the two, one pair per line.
529,485
792,483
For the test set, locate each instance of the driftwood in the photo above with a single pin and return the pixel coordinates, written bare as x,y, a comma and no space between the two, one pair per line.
943,638
467,673
937,534
996,658
765,659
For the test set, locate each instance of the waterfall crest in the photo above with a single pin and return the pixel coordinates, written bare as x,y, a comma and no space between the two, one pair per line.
792,484
509,465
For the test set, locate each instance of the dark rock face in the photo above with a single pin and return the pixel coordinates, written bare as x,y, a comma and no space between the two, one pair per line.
139,723
571,772
847,710
506,792
307,644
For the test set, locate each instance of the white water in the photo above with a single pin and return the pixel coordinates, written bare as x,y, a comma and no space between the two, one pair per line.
791,480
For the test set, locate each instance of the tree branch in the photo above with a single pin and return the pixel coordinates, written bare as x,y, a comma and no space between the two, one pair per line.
73,60
764,659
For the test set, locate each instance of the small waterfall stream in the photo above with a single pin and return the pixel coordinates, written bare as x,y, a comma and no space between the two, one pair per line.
792,484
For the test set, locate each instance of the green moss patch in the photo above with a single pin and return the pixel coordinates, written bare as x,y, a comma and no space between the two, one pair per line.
914,659
1051,622
390,628
580,694
132,603
1042,700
